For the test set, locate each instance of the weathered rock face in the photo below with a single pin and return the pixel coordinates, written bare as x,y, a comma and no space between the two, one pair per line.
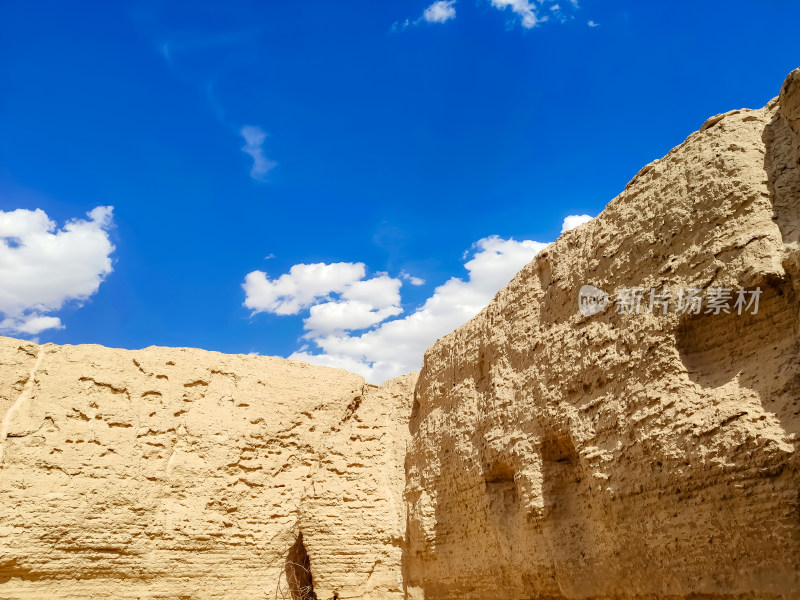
173,473
547,454
629,455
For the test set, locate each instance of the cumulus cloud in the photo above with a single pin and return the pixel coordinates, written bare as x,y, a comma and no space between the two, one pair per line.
593,24
361,304
573,221
43,267
300,287
335,317
338,296
440,12
396,346
254,138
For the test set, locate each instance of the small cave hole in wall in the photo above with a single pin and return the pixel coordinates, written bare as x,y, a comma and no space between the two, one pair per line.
298,572
501,488
560,474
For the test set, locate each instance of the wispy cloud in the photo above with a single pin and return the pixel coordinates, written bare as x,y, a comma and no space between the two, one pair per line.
438,12
592,24
178,46
411,279
198,58
43,267
525,10
528,13
254,138
531,13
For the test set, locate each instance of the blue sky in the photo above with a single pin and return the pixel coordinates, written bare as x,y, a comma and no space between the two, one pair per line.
406,158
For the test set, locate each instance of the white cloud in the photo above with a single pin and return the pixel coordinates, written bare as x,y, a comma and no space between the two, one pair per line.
411,279
337,295
573,221
254,138
523,8
592,24
31,324
42,267
440,12
336,317
362,304
300,288
380,291
397,346
529,12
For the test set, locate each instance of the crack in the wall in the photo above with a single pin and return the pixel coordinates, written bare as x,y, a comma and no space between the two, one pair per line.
27,392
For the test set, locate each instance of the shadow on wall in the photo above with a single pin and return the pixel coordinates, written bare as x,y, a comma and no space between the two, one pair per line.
565,493
716,349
